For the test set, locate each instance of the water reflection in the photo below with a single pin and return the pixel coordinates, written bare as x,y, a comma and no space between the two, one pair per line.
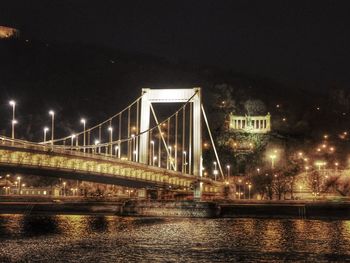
39,225
73,238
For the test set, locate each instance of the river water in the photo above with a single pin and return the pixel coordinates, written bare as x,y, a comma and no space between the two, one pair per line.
84,238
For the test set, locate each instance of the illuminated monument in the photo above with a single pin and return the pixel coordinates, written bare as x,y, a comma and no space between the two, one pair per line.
250,124
8,32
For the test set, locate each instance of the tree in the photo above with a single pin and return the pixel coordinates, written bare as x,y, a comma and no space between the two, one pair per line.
255,107
262,184
281,185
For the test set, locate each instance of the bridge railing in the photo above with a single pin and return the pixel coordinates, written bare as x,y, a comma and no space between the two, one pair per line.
22,144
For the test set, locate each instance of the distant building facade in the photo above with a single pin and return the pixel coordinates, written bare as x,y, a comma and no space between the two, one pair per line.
250,124
36,191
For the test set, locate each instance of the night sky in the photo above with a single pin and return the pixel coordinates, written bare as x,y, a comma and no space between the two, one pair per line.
302,42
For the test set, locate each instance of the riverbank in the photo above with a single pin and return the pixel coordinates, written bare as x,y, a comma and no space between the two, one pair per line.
190,209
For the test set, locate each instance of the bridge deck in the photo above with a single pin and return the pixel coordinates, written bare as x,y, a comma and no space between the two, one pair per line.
36,159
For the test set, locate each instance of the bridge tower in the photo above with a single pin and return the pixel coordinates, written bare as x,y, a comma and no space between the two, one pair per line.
173,96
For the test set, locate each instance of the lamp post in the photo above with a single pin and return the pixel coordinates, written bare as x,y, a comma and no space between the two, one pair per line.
228,171
215,171
110,140
185,161
52,113
45,131
249,187
72,141
336,164
133,146
170,157
273,157
83,121
19,184
239,188
97,148
152,152
13,104
116,149
64,188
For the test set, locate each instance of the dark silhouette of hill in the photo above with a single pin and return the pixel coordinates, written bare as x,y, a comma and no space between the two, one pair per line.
95,82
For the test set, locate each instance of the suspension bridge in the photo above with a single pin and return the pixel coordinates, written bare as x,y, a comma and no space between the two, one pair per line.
132,148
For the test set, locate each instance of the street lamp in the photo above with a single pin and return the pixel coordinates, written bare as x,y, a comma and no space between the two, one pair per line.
116,149
336,164
215,171
185,160
52,113
228,170
170,157
83,121
239,188
64,188
45,131
19,184
96,143
110,139
249,187
273,157
72,141
152,152
13,104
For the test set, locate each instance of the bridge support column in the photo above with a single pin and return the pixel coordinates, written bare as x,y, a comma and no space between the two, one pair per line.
174,96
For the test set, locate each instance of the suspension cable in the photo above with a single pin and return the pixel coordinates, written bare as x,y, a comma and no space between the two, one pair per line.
212,141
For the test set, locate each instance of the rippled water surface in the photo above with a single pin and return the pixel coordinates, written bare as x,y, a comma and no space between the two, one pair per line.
71,238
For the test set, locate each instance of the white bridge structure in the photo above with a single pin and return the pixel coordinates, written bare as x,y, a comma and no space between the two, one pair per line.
133,148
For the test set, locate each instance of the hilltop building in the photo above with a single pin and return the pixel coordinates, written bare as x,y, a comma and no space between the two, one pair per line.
8,32
250,124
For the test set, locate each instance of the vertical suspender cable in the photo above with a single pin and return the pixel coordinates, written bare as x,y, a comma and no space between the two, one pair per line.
183,139
175,147
119,135
137,129
150,154
190,142
168,144
89,140
111,139
99,137
129,155
159,149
